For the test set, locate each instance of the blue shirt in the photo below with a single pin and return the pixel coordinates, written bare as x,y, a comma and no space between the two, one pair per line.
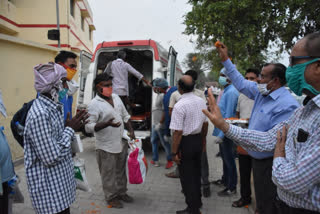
228,105
6,165
67,106
166,100
267,111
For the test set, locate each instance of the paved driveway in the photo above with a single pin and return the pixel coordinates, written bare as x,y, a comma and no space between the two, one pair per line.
157,195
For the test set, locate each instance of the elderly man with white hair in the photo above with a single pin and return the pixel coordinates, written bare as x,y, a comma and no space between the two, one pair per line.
47,144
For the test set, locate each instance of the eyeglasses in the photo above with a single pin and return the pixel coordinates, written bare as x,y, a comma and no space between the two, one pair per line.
293,59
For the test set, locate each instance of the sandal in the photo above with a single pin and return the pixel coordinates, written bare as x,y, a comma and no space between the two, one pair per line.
115,203
217,182
241,203
172,175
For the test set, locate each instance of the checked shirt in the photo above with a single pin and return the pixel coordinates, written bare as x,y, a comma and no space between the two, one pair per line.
47,157
187,114
297,175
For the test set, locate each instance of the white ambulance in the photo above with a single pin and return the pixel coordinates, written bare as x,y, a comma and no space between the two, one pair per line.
146,56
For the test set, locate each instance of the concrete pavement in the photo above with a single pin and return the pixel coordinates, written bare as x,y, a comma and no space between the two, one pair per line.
157,195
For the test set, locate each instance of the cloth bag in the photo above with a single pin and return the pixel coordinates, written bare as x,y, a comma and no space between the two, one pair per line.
137,162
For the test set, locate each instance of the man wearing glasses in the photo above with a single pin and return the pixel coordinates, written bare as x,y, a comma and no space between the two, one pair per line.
295,142
273,104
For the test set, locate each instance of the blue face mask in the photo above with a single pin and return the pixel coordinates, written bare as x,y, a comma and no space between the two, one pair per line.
295,78
62,94
223,81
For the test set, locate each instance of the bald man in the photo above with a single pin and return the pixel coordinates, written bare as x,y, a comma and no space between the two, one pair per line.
190,128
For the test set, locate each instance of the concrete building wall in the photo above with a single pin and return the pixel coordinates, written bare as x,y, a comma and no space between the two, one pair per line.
7,12
17,58
31,20
24,25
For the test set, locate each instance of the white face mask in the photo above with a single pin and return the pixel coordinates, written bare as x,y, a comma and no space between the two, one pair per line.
263,89
73,87
157,90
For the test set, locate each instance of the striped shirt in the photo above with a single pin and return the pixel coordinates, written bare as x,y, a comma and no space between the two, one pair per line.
187,114
119,71
47,157
297,175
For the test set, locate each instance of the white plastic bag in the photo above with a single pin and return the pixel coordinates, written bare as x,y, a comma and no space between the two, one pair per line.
80,175
76,144
15,193
137,162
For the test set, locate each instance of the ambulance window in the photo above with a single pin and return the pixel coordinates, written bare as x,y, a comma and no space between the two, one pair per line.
72,8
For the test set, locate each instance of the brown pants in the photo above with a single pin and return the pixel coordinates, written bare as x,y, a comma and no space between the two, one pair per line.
112,167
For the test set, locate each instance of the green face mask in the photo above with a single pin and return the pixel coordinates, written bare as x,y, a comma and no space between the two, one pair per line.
62,94
295,78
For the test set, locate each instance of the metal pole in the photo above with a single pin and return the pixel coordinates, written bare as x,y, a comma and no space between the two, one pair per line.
58,22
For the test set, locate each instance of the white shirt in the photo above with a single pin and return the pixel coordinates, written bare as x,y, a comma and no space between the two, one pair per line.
157,110
244,106
119,70
187,114
175,96
108,139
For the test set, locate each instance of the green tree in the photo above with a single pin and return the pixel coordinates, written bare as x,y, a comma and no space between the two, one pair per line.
212,76
195,61
250,27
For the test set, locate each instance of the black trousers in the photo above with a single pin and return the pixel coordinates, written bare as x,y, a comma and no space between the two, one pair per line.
4,199
205,170
245,166
190,170
265,189
66,211
283,208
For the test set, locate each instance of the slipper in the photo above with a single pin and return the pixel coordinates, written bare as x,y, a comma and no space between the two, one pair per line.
171,175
